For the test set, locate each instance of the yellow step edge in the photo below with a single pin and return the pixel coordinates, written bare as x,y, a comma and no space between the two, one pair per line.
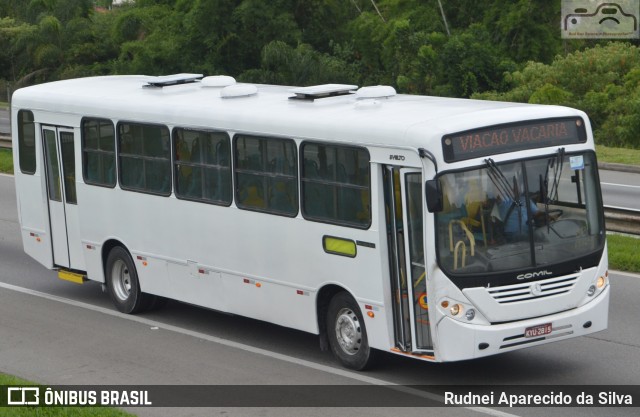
71,276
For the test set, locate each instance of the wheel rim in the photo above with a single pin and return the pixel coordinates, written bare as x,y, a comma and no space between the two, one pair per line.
121,280
348,331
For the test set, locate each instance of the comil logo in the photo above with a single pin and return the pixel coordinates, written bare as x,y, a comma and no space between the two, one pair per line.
23,396
600,19
534,275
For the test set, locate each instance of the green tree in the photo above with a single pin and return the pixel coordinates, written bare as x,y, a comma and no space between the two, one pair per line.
258,23
283,64
604,81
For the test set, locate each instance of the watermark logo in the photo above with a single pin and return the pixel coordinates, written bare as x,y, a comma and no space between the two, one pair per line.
23,396
600,19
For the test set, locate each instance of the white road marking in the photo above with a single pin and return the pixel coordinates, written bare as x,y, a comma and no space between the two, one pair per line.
619,185
247,348
624,273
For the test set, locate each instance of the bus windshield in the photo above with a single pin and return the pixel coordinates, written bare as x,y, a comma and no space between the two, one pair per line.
527,215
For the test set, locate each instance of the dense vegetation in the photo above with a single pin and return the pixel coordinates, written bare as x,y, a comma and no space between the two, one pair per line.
504,49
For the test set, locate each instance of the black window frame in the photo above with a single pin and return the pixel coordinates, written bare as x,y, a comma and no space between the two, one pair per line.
176,163
143,157
22,155
304,180
295,177
85,160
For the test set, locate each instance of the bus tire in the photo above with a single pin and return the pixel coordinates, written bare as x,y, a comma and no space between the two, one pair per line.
122,282
347,333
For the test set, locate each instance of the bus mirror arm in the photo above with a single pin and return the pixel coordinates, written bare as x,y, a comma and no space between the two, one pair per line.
433,192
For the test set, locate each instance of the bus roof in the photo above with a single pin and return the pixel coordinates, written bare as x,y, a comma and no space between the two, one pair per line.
400,120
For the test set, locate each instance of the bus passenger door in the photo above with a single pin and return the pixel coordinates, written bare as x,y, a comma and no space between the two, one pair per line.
59,157
405,224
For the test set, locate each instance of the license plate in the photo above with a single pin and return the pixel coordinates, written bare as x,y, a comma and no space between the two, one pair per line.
537,331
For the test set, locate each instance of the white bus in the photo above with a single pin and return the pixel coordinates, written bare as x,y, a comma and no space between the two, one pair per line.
436,228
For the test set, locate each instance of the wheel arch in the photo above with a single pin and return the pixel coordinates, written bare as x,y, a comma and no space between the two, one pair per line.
106,249
326,293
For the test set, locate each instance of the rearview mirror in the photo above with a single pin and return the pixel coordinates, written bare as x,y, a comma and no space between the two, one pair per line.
434,196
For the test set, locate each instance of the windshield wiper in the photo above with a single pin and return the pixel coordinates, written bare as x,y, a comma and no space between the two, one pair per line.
499,180
551,195
557,173
506,192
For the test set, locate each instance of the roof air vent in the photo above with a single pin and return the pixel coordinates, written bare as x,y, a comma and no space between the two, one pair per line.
238,90
218,81
175,79
376,91
322,91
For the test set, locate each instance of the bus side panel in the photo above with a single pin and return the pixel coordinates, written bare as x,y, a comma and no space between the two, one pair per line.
270,301
192,283
33,211
92,254
283,255
152,272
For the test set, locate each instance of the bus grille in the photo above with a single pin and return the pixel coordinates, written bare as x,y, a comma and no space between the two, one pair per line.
533,290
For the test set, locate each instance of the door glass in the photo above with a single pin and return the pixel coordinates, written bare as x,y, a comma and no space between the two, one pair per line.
415,227
53,170
394,213
68,167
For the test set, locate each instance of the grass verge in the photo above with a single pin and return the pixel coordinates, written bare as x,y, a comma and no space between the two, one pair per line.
618,155
6,161
53,411
623,253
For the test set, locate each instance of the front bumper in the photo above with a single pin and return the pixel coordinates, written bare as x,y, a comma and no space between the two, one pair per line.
460,341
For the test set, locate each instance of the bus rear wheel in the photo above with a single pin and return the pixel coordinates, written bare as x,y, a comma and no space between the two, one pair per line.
347,333
122,282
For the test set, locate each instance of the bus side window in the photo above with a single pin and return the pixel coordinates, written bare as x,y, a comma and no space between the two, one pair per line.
336,184
145,158
26,142
98,152
266,174
203,172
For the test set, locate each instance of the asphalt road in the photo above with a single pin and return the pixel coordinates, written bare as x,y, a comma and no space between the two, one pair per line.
620,189
56,332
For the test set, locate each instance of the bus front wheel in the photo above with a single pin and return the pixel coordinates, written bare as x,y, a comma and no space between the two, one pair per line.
347,333
122,282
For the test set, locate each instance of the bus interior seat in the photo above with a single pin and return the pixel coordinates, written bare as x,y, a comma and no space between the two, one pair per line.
253,198
250,191
280,199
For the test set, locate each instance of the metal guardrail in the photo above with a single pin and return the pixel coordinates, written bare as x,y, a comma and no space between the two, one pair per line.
5,141
622,220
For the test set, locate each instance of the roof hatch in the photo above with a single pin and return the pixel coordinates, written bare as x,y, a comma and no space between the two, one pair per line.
175,79
322,91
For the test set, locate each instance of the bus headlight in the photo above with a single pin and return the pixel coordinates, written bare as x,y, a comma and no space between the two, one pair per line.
597,286
456,309
470,314
461,311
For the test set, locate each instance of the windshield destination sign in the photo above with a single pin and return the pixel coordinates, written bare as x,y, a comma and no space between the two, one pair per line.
513,137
